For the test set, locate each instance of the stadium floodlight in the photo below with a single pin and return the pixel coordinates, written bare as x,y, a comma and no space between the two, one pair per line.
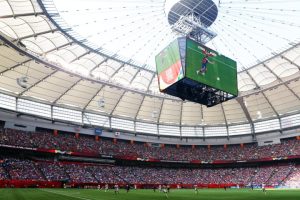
154,114
101,103
22,81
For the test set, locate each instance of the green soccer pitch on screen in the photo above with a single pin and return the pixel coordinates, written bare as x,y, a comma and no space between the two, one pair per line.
210,68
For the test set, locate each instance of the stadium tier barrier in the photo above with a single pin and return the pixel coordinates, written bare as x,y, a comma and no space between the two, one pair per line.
151,186
136,158
57,184
29,184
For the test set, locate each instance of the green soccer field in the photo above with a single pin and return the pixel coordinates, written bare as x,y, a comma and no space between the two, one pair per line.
88,194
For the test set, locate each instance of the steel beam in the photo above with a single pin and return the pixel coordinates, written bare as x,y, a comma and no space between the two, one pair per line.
57,99
38,82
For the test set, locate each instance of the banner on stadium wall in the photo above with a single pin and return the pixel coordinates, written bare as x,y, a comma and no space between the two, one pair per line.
98,131
17,147
175,161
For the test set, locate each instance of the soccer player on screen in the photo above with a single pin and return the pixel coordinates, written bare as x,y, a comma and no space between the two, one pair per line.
205,61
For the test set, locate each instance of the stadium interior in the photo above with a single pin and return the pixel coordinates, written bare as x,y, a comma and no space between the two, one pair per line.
82,103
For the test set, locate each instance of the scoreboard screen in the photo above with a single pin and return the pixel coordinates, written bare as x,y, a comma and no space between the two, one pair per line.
169,66
209,67
191,71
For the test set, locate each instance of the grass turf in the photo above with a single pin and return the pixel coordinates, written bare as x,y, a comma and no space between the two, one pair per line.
89,194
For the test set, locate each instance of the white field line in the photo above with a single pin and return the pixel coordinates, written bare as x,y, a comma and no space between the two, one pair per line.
63,194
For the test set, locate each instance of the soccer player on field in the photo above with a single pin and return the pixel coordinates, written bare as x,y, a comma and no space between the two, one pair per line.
106,187
196,189
127,188
165,190
116,189
263,186
154,188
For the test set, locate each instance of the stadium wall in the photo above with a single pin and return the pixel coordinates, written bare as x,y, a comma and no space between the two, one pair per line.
57,184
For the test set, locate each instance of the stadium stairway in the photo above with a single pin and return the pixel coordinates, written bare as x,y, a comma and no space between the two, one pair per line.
293,148
116,174
291,173
272,174
288,175
92,174
39,171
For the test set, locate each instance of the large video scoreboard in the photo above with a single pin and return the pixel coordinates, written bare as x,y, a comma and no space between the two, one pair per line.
190,70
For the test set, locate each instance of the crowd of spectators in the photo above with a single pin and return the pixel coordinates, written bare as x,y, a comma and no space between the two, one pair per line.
53,171
24,169
293,178
262,175
3,174
106,174
88,144
280,173
80,173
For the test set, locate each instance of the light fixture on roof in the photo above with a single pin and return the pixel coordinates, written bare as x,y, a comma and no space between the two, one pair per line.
259,114
202,122
101,103
22,81
154,114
